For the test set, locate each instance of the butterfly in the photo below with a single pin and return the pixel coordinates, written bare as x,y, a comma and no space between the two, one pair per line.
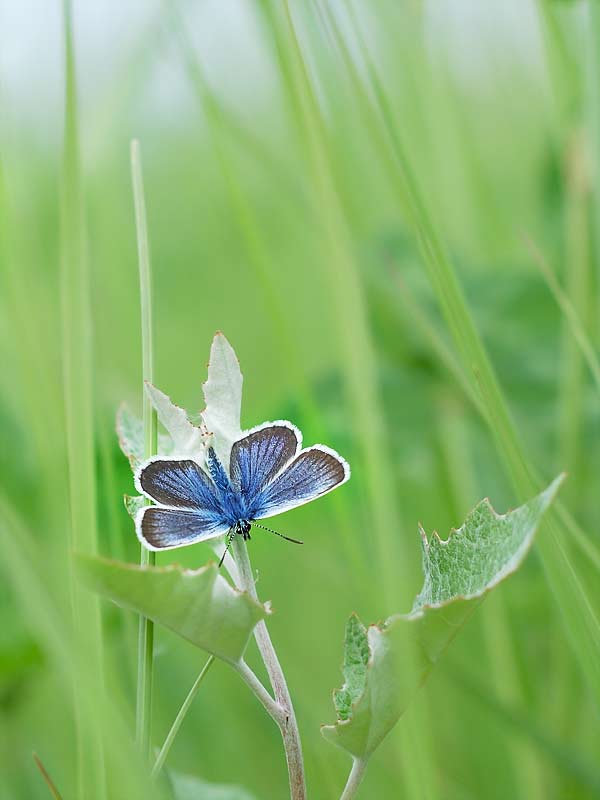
269,472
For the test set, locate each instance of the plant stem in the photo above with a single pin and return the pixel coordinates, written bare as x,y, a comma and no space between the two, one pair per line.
164,751
287,719
146,628
271,706
357,773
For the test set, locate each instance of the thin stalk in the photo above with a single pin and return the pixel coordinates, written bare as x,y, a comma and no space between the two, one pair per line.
146,628
357,773
287,719
78,380
571,315
48,780
593,114
185,707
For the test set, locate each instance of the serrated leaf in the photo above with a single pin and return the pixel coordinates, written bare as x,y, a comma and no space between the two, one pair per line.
188,787
356,658
133,503
130,430
223,397
401,653
188,439
199,605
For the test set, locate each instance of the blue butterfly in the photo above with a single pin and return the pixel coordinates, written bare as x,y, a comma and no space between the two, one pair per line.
268,473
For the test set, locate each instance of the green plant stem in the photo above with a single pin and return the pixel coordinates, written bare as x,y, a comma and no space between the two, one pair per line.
357,773
146,627
185,707
287,719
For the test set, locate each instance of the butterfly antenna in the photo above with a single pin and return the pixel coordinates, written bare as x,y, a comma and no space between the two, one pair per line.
287,538
230,536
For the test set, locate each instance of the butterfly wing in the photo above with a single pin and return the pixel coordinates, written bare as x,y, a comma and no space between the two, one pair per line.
258,457
160,528
189,509
312,473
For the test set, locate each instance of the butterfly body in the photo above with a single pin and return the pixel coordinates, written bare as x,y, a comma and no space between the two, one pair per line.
268,473
233,504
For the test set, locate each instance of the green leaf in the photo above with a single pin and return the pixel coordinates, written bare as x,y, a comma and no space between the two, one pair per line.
133,503
356,657
188,787
199,605
223,397
188,439
130,430
477,556
400,654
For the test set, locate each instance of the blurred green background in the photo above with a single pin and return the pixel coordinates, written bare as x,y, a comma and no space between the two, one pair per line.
270,137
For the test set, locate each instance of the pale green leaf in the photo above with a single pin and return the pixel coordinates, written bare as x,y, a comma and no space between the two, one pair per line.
199,605
188,787
356,657
401,652
130,430
223,397
133,503
188,439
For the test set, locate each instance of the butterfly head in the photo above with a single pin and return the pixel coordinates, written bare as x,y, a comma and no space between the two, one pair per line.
243,528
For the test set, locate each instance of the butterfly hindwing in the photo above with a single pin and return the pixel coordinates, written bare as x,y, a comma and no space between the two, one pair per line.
260,455
314,472
165,528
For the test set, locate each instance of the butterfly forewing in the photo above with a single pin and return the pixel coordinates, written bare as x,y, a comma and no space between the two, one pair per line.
165,528
182,484
258,457
314,472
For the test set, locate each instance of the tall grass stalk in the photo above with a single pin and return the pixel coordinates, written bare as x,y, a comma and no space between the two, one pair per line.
572,317
146,627
577,285
593,120
359,359
79,422
579,615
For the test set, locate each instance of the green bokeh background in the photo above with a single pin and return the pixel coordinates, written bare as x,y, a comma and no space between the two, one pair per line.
311,267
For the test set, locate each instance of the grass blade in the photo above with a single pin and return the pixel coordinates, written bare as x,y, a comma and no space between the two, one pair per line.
143,719
79,418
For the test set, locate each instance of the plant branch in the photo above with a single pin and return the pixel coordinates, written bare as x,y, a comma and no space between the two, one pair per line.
287,721
357,773
271,706
185,707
